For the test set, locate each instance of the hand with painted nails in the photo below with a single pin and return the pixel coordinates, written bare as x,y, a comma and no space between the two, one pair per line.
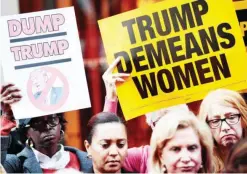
111,79
9,95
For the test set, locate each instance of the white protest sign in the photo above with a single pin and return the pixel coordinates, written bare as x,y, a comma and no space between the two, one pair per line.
41,55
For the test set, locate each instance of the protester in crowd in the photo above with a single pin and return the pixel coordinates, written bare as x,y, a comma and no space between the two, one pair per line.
185,145
106,143
225,111
43,152
137,158
237,158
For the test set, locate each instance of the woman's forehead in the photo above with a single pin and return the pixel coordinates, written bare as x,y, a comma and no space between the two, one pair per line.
221,110
110,130
180,137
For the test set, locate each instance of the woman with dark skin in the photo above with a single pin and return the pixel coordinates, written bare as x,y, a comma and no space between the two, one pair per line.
43,152
106,143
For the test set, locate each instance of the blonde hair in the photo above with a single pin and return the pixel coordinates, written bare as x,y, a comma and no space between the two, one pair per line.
228,98
154,116
166,129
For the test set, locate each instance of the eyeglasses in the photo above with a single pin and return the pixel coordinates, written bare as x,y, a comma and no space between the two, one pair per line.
232,119
39,124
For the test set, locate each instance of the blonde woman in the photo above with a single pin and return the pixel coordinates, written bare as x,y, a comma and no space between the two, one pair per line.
225,112
181,143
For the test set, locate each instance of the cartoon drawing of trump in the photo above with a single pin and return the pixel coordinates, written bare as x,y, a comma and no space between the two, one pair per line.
41,80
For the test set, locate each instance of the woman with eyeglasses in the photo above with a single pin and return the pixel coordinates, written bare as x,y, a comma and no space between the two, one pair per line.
225,112
43,152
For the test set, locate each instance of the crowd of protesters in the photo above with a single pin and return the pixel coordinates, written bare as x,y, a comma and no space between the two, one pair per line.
211,142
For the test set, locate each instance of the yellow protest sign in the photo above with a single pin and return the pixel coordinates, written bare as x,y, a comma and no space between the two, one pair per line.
240,5
176,51
241,10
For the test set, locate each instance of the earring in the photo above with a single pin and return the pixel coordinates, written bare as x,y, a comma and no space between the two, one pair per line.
61,135
89,156
201,166
62,132
164,170
29,142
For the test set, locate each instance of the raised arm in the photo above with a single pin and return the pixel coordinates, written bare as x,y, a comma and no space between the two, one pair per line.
137,158
111,80
9,95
